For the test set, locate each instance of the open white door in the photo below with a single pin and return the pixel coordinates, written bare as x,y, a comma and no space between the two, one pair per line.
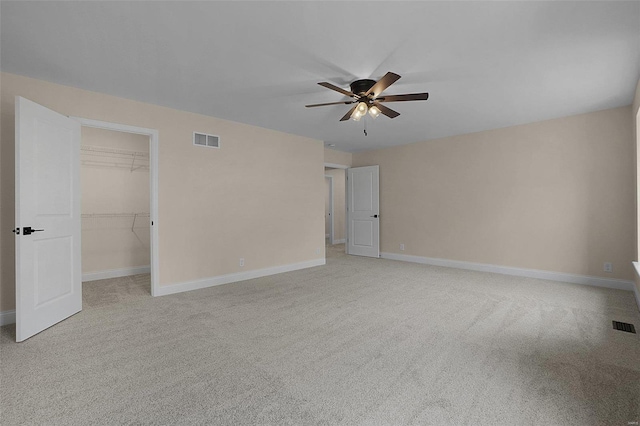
363,219
48,270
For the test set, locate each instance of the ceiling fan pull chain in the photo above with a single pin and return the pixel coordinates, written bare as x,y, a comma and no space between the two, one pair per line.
364,122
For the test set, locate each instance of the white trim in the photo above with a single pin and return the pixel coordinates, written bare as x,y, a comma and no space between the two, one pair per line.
7,317
341,241
115,273
637,267
232,278
153,186
331,231
519,272
336,166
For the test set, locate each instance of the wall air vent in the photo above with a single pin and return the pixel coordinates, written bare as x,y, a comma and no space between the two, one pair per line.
203,139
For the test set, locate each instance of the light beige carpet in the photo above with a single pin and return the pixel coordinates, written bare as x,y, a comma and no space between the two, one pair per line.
358,341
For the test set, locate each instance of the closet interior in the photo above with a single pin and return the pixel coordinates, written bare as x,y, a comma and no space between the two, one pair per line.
115,203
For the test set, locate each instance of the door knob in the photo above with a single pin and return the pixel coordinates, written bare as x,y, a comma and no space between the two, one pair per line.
28,231
375,215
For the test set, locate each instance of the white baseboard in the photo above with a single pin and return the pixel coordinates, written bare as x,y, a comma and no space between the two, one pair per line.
519,272
232,278
115,273
342,241
7,317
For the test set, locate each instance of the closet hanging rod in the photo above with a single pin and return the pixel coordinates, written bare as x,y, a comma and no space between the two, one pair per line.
90,149
110,164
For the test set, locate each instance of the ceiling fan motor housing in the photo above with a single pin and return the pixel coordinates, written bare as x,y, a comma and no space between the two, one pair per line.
360,87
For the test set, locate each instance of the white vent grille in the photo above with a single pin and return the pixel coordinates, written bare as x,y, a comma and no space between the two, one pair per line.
203,139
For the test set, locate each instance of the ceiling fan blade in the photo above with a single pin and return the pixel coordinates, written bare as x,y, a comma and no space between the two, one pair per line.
403,98
386,111
330,103
336,88
386,81
348,115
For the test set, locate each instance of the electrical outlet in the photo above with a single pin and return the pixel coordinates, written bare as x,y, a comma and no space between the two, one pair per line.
242,261
608,267
402,247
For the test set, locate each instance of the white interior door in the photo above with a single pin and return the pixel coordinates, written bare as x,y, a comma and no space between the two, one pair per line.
363,214
48,270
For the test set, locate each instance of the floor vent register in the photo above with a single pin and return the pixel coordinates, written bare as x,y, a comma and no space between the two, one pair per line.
623,326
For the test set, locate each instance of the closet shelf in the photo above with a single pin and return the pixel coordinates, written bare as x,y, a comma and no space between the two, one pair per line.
112,215
99,156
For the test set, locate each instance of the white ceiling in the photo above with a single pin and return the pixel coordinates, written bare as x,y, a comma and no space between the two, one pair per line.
485,64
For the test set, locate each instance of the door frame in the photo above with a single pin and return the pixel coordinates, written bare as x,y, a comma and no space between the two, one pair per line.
153,186
342,167
330,208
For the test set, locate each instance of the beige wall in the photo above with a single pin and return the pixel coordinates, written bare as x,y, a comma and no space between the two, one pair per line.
215,206
332,156
339,221
110,186
556,195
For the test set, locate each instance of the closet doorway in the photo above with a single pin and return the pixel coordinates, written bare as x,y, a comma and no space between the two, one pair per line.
118,180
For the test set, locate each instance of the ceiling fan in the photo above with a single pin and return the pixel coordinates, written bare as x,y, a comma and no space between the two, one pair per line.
366,96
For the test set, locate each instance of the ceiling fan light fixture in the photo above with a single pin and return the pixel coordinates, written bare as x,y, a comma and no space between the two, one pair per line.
366,93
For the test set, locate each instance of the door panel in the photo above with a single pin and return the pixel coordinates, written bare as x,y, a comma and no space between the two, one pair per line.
52,279
363,197
48,270
53,169
363,211
363,233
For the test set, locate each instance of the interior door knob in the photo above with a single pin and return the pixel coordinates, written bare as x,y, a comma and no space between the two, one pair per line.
27,230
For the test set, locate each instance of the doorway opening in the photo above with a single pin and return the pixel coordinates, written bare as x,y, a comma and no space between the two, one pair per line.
328,209
115,216
118,179
335,207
